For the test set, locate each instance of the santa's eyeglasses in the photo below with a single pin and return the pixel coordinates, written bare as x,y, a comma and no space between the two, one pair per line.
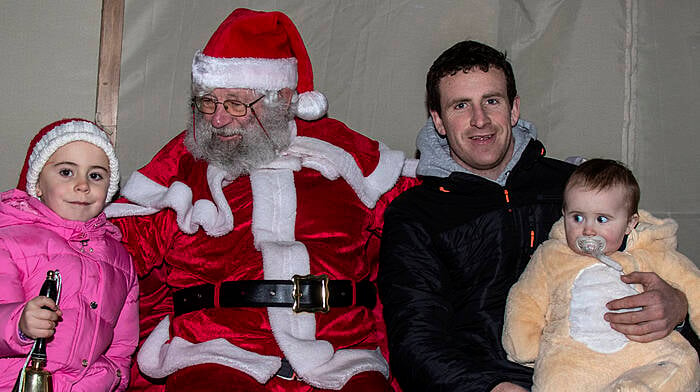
207,105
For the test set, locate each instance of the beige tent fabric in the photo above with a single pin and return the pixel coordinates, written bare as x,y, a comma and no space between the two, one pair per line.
48,70
617,80
598,78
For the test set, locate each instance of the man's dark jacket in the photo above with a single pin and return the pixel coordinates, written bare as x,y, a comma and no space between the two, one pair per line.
451,249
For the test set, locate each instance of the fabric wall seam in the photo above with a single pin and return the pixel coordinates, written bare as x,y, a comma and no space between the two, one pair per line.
629,127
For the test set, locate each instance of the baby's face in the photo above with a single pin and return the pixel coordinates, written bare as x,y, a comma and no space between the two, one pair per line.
597,212
74,181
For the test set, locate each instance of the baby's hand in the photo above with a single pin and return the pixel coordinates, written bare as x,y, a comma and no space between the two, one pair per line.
39,318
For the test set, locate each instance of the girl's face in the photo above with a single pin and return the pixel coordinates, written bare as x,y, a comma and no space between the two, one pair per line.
74,181
597,212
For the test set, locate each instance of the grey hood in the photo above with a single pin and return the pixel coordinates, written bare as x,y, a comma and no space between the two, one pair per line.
435,159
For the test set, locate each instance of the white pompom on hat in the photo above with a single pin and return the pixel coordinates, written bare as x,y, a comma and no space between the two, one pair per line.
259,50
58,134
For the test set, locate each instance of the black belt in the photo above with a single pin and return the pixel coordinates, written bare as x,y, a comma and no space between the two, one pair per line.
310,293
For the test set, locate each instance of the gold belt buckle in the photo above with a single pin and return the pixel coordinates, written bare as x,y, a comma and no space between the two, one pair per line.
297,306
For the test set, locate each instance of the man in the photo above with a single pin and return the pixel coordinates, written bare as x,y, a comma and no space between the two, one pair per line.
257,245
453,246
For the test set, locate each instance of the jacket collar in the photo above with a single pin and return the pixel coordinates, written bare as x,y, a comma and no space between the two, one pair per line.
17,207
435,159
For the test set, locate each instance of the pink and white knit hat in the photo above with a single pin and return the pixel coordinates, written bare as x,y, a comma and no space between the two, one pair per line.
58,134
259,50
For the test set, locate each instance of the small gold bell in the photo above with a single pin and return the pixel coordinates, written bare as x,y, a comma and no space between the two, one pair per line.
36,379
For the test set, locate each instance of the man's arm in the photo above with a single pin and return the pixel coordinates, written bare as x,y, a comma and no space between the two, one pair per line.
427,351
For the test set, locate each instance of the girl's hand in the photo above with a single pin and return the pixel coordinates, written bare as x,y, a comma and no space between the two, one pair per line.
39,318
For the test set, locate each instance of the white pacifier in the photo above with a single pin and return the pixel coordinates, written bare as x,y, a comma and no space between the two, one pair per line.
594,245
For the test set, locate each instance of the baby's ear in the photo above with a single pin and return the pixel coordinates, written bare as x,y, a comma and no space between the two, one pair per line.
632,223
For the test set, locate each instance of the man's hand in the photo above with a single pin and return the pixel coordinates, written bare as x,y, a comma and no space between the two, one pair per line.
38,322
663,307
508,387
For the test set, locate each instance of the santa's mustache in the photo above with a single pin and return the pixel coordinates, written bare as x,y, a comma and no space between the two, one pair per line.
227,132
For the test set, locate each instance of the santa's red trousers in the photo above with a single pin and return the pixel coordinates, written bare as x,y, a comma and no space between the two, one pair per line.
211,377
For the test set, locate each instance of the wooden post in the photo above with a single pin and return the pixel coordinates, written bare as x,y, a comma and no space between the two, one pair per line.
109,66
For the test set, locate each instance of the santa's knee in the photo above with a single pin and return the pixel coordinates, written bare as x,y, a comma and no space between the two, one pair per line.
211,377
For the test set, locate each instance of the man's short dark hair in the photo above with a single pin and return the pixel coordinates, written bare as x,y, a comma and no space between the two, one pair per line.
465,56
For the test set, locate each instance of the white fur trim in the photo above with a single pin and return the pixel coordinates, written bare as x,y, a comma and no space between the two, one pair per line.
60,136
409,167
295,333
284,162
118,210
312,105
593,287
215,218
333,162
274,219
158,359
345,364
274,205
209,73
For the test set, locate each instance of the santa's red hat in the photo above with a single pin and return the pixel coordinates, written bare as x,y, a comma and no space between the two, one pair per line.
58,134
259,50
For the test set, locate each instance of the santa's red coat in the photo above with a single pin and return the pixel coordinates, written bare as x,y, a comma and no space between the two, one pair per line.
336,215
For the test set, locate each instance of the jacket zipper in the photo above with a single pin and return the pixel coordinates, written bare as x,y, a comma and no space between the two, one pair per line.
505,193
510,209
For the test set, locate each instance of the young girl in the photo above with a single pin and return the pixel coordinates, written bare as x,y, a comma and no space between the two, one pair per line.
54,221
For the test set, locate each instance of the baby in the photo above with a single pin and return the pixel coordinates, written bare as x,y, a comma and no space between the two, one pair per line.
554,316
54,221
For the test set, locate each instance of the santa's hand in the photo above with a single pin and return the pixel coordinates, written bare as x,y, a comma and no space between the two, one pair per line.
39,318
663,307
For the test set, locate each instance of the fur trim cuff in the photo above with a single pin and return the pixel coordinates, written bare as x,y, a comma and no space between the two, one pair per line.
214,217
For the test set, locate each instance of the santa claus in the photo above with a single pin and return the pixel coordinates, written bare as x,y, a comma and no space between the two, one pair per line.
255,230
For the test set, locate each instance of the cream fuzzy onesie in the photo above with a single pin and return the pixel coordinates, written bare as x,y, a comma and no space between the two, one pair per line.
554,316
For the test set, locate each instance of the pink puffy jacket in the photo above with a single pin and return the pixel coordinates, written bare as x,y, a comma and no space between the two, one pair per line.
93,344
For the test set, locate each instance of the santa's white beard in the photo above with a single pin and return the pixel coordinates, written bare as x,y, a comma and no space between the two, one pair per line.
240,156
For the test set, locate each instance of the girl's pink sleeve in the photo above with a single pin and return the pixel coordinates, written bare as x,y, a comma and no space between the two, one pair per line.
12,301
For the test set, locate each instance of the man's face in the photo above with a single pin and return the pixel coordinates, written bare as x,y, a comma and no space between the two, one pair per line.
597,212
74,181
477,120
240,144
